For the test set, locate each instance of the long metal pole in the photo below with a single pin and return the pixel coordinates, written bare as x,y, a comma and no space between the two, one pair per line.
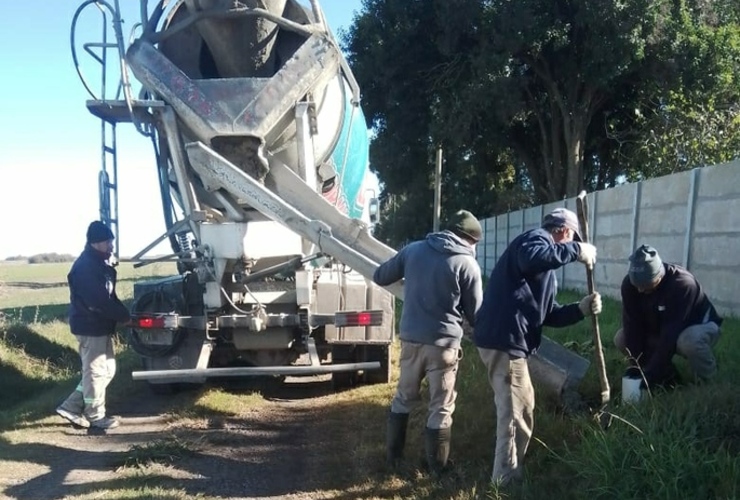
437,190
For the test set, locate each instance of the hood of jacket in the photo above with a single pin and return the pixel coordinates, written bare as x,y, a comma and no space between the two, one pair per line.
449,242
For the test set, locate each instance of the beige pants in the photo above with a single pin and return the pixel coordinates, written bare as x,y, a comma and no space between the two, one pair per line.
694,343
98,369
439,366
514,397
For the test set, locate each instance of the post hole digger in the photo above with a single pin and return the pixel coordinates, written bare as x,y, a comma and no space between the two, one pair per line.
603,416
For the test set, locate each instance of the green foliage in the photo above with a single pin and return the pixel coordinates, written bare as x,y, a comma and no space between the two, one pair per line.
414,59
693,120
552,68
534,100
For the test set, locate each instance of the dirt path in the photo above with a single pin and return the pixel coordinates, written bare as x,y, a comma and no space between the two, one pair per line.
278,450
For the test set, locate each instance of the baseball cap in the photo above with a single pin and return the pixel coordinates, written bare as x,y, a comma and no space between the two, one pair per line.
562,217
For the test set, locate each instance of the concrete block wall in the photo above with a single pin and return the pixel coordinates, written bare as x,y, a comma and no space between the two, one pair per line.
692,218
713,251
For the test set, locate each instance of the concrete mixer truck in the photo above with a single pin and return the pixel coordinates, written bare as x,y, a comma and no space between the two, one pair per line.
261,150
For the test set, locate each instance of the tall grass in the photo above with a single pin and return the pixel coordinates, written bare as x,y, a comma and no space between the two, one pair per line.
685,445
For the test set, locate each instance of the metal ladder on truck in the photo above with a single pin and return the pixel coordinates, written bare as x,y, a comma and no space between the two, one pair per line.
111,111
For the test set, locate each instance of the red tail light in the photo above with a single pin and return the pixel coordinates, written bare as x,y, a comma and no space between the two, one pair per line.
358,318
364,319
149,322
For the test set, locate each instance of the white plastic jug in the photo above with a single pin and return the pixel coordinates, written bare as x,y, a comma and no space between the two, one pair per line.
631,392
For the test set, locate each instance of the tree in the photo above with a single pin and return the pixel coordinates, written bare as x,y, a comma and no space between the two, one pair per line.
560,63
413,59
691,116
534,100
415,62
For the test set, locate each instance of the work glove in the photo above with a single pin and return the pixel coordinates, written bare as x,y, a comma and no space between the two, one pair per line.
590,304
587,254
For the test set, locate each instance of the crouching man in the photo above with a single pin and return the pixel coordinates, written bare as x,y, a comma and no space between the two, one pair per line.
665,312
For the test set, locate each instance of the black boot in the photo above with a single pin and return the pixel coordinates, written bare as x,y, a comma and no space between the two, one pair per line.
437,445
396,437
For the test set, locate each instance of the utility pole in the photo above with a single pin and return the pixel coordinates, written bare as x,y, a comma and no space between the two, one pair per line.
437,190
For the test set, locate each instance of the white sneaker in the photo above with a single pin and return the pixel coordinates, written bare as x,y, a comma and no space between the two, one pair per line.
74,418
105,423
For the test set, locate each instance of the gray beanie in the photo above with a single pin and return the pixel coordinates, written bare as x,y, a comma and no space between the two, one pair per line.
645,266
463,223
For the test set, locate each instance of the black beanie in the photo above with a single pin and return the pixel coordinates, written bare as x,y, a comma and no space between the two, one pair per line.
645,266
464,223
97,232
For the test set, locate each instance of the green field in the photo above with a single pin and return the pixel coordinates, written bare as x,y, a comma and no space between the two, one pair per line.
683,444
42,285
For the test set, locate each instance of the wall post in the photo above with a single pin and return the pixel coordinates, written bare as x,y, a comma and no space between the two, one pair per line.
690,212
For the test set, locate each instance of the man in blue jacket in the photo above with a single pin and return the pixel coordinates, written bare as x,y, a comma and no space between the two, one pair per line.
518,301
442,285
94,311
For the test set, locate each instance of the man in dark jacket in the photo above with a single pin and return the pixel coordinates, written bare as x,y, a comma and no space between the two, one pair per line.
664,312
442,285
520,299
94,311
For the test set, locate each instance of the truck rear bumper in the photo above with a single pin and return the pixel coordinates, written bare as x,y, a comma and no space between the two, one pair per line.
200,374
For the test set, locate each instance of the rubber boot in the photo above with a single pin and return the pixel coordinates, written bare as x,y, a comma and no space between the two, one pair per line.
437,445
396,437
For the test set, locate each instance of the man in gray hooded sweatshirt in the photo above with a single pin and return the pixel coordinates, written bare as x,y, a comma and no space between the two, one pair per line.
442,283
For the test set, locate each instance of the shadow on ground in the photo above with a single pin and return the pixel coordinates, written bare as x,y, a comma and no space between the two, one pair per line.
303,443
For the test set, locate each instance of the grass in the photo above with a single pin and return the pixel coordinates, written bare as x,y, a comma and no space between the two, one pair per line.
161,451
679,444
28,289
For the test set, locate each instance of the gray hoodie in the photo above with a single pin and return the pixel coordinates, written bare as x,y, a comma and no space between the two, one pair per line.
442,282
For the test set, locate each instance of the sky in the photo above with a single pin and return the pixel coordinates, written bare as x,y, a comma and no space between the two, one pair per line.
50,145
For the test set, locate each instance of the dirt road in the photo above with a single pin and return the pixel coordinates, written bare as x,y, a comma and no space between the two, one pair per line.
290,446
